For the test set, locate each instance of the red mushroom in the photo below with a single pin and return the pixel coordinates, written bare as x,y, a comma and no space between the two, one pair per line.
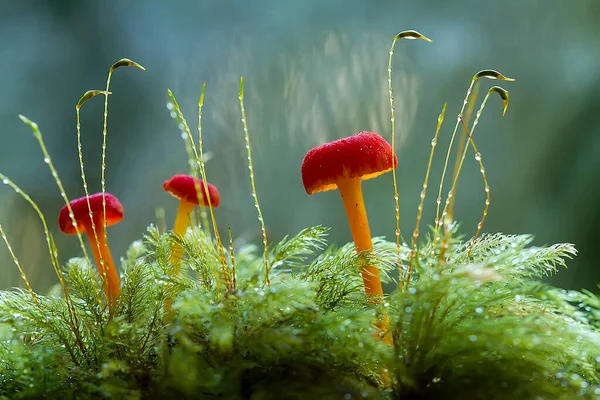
343,164
190,192
94,228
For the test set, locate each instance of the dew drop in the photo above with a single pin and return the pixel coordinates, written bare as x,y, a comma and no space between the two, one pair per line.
473,338
5,181
46,160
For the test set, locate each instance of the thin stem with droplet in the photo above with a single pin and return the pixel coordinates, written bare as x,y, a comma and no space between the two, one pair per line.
254,193
489,74
486,187
504,95
38,135
460,161
410,34
53,253
200,164
232,259
88,95
18,264
424,191
124,62
463,142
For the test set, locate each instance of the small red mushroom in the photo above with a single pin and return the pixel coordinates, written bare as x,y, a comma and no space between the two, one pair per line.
94,228
343,164
190,192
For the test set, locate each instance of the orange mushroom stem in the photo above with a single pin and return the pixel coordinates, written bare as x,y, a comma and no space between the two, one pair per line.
351,191
190,192
93,227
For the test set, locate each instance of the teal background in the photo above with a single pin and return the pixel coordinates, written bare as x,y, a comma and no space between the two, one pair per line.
314,71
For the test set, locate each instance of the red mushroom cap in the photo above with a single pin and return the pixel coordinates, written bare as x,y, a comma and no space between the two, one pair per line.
81,213
184,188
364,154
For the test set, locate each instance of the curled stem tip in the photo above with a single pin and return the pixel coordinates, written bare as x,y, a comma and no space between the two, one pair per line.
503,95
29,122
88,95
491,74
125,62
410,34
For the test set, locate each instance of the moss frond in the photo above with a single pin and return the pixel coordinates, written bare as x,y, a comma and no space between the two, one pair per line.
477,327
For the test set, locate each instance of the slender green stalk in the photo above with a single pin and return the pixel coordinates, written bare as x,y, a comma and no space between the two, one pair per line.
402,35
254,193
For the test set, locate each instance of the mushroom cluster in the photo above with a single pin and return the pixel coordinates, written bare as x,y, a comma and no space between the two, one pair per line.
90,215
341,164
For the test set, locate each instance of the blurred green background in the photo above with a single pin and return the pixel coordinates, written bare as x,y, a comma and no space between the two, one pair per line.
314,70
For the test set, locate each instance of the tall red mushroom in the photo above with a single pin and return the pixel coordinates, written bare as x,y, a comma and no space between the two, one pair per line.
93,227
343,164
190,192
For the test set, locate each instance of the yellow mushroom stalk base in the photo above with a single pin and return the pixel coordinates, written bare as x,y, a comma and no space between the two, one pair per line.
351,191
182,222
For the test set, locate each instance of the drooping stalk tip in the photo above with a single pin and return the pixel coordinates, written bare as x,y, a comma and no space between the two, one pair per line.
90,215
